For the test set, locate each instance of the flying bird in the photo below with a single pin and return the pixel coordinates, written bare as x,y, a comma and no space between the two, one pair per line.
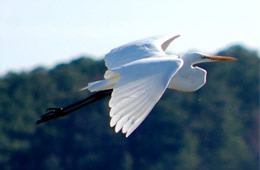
137,75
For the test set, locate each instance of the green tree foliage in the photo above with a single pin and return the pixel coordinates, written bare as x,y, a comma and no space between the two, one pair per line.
216,127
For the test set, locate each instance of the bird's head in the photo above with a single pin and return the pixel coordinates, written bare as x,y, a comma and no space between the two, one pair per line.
197,57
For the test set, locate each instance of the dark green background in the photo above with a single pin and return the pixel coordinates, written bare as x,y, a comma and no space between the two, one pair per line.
216,127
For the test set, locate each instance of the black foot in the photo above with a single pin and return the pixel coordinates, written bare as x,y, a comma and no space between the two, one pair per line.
51,113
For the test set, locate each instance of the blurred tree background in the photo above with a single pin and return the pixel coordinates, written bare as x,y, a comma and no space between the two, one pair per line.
216,127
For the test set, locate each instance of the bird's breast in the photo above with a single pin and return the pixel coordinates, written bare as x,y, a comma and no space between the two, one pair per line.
188,79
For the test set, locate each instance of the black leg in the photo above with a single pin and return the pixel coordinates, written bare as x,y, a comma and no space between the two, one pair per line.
53,113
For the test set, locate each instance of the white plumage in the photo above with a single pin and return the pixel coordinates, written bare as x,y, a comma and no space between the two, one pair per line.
140,72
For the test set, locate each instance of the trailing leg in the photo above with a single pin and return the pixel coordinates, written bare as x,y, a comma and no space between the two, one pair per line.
53,113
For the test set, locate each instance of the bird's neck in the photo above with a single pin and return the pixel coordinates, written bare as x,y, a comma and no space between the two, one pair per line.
190,59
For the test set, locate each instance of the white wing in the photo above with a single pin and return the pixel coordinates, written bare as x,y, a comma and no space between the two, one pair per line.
153,46
140,86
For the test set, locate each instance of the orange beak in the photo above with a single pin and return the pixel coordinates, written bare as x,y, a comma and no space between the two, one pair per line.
220,58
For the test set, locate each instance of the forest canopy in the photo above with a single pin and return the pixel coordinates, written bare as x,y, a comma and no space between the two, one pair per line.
216,127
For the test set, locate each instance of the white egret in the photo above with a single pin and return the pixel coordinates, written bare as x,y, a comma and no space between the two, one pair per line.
138,74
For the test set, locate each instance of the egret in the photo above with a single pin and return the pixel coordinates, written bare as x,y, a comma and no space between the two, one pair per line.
137,76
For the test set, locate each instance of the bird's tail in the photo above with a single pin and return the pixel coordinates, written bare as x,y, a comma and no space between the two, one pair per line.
108,83
54,113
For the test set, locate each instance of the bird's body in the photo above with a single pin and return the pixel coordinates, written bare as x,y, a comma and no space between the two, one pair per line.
139,73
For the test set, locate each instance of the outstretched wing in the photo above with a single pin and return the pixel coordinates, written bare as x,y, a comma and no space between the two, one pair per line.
140,86
153,46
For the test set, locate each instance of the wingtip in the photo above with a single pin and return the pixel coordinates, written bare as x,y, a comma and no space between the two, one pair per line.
127,135
117,129
168,39
112,123
175,34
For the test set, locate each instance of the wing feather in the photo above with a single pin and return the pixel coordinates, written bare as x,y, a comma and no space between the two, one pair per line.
132,105
132,90
131,111
145,48
140,86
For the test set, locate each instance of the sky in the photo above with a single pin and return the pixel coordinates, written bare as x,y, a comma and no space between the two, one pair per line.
44,33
